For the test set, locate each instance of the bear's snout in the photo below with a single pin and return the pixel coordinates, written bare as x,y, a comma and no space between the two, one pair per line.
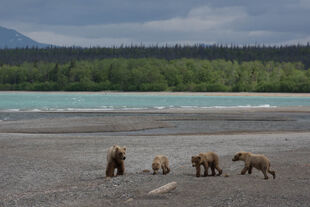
124,158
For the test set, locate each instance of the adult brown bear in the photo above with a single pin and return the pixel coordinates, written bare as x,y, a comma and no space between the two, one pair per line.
115,160
258,161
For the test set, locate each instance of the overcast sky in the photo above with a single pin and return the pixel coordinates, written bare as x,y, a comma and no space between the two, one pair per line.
115,22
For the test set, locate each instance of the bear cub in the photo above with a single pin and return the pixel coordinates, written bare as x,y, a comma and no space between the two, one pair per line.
206,159
115,160
160,161
260,162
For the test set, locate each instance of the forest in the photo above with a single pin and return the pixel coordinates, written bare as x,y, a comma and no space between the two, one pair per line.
60,55
156,74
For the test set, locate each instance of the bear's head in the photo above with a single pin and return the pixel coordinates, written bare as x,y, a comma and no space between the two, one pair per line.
240,156
155,167
196,161
120,153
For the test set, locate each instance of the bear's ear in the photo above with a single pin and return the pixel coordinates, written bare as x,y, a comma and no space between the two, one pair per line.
193,157
124,148
199,158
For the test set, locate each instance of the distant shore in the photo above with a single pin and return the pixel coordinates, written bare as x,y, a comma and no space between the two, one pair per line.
167,93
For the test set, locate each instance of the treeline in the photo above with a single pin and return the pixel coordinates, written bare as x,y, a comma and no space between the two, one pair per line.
151,74
293,53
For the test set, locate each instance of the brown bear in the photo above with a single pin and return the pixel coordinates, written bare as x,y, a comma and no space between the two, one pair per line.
258,161
161,161
115,159
206,159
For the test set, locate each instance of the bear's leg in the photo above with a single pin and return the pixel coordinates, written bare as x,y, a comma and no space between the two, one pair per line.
218,169
198,171
167,169
164,170
109,172
273,173
243,171
213,168
206,167
120,168
264,170
250,170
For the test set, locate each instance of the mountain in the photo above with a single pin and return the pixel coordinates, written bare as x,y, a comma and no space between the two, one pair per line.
10,38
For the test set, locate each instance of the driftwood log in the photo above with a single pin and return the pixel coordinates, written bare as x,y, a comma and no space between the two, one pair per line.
164,189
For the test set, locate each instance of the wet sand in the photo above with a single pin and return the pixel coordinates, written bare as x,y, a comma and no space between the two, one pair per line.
160,122
58,159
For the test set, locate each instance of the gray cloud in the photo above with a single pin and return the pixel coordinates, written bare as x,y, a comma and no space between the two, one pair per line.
102,23
81,12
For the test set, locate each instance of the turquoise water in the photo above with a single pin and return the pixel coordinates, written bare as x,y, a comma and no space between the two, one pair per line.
62,101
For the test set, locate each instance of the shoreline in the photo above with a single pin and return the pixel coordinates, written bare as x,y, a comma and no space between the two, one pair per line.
166,93
193,110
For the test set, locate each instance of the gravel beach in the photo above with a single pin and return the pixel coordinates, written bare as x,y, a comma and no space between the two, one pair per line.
59,159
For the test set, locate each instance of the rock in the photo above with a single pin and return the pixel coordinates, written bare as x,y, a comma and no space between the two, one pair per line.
164,189
129,200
